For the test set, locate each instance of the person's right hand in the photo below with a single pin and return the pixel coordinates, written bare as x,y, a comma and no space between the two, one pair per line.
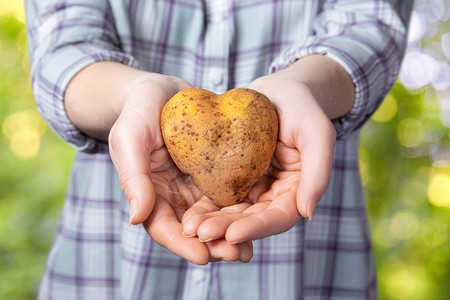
158,192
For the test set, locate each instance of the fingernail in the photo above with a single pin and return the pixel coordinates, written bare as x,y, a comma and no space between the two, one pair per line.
133,210
310,210
205,241
189,235
236,242
228,260
245,258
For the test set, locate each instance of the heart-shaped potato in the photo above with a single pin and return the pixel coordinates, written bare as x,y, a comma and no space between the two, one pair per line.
224,142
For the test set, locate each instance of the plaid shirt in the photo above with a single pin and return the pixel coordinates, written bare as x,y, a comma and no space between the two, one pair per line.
215,45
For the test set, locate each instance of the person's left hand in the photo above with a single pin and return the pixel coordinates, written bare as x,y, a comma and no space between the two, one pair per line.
294,182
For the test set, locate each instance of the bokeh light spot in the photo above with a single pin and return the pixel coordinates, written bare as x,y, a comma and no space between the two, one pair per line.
418,69
445,111
445,44
382,235
405,283
363,167
431,10
404,225
24,131
417,26
442,81
440,237
10,55
440,154
25,142
14,8
409,132
364,172
439,190
386,111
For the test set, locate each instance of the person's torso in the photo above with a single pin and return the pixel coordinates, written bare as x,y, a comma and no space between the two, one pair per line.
213,44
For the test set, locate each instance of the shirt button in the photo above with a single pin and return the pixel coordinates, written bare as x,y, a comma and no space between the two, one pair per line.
198,275
217,16
216,77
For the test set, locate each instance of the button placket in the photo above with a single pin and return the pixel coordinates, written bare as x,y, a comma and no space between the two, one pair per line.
198,275
197,283
217,45
217,10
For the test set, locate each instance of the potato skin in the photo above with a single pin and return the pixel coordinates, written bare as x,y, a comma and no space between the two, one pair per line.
224,142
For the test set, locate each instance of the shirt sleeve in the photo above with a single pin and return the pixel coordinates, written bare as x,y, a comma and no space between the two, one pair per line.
63,38
368,38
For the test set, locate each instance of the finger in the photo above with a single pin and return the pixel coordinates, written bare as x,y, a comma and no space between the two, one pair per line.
195,215
246,249
164,227
280,182
222,250
130,148
202,206
316,148
215,225
260,187
280,216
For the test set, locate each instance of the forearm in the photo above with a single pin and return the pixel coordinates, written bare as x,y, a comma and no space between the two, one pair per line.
95,96
328,81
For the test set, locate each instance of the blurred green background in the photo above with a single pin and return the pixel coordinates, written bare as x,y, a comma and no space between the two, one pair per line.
404,159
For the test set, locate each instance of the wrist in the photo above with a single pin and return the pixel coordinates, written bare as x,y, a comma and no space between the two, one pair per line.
290,97
148,92
132,90
327,80
93,98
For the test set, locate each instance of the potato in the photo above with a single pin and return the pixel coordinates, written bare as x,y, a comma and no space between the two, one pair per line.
224,142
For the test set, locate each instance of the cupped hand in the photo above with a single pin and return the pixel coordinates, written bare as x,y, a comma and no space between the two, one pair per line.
294,182
159,194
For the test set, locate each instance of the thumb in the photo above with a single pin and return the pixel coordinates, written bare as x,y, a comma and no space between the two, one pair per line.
316,144
130,145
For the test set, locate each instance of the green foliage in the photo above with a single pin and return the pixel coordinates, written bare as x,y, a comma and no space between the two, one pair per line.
410,234
35,167
409,216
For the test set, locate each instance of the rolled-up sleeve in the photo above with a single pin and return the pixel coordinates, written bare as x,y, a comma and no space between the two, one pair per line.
63,38
368,38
